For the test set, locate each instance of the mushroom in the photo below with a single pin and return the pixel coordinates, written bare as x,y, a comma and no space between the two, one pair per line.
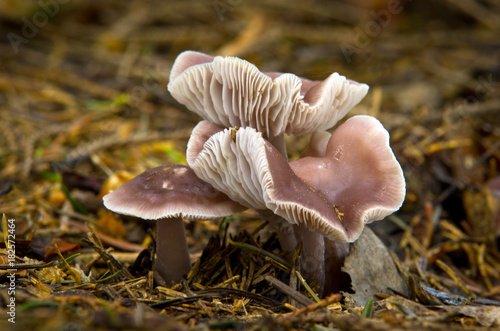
352,180
230,92
168,194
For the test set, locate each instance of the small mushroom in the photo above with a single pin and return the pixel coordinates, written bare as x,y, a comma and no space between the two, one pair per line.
168,194
229,91
352,180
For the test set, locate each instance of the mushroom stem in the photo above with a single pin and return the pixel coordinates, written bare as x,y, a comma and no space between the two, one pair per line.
335,254
285,231
172,255
279,142
312,257
321,258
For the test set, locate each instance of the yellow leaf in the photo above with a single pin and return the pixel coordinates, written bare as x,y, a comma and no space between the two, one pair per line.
114,181
111,224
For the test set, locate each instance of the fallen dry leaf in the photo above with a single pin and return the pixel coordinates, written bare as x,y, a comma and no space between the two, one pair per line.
372,270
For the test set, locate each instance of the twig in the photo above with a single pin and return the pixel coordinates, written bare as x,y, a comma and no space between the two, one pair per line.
199,303
480,13
454,276
111,241
243,294
24,266
295,267
104,280
190,299
84,150
446,193
336,297
259,251
97,246
451,299
307,287
299,297
76,277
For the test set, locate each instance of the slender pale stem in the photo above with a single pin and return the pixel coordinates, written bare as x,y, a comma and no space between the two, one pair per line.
172,255
312,257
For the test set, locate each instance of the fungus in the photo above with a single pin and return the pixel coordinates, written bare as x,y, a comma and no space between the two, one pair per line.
168,194
355,174
230,92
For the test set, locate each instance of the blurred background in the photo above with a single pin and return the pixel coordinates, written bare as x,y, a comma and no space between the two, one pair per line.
81,77
83,100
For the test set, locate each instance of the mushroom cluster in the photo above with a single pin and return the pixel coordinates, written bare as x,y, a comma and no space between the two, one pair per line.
341,182
230,92
347,180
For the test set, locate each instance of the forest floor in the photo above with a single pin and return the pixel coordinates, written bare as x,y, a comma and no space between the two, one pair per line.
84,107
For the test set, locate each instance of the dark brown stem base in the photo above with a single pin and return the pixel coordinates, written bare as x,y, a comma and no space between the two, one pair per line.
172,255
